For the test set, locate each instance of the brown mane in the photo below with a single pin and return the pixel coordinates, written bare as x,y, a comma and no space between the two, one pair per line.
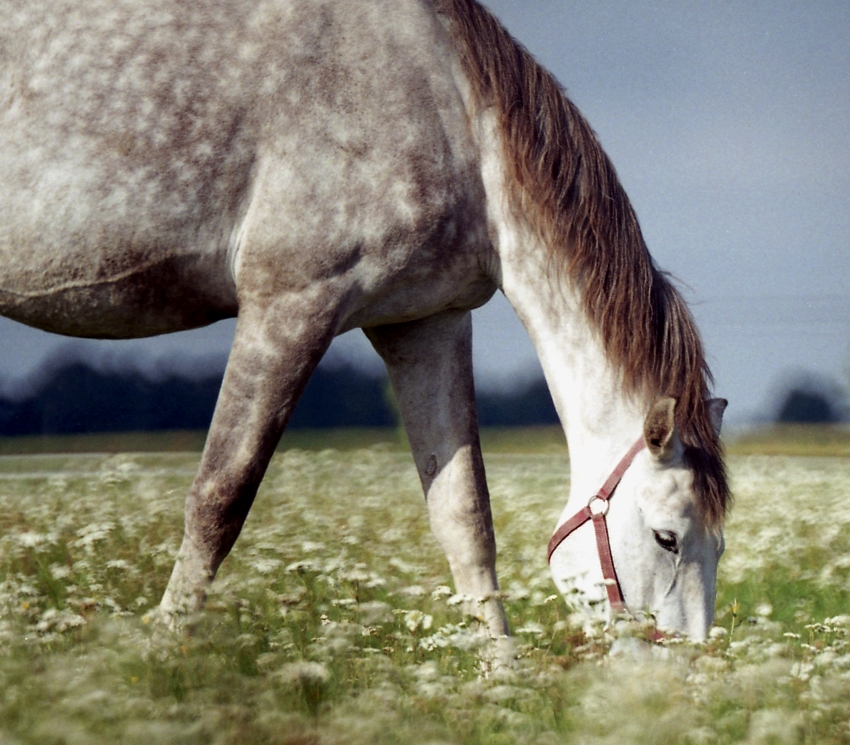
564,182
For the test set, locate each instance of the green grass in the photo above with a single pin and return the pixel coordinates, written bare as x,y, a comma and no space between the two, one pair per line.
332,621
494,439
799,439
793,439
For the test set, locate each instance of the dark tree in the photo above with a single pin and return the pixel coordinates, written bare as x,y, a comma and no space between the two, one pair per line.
807,407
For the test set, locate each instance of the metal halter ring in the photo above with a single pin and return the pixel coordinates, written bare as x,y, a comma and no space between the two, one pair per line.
604,511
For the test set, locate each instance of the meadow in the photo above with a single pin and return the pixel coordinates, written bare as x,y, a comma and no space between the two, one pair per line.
334,621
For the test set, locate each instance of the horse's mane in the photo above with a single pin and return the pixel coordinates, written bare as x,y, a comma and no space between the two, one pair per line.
562,180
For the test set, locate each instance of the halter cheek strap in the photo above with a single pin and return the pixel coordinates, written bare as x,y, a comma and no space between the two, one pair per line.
596,510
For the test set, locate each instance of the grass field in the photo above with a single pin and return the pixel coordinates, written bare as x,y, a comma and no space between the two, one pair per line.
333,620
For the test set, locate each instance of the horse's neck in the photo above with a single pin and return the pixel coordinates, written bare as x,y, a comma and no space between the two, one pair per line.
601,421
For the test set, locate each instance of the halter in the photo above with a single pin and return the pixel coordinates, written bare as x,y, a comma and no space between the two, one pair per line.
596,510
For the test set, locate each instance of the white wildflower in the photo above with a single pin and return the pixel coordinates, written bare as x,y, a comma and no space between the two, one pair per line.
265,565
842,621
60,571
443,591
375,612
403,566
416,619
299,567
58,620
92,534
357,575
303,672
121,564
517,591
532,628
435,641
825,659
426,671
802,670
457,636
775,650
31,539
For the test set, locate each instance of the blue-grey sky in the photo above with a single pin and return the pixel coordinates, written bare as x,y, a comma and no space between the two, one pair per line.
729,125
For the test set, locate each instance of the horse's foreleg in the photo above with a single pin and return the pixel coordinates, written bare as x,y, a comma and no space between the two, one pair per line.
430,367
274,352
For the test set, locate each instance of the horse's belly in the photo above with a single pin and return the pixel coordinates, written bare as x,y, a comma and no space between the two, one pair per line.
93,244
129,297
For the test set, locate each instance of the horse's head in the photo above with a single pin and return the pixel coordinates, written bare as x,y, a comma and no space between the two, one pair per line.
664,546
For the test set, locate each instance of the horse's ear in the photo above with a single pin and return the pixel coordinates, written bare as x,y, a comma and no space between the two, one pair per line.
716,407
659,428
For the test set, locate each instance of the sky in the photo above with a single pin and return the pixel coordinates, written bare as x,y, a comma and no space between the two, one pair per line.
729,126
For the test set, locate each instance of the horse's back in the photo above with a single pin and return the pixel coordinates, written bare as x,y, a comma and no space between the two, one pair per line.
144,143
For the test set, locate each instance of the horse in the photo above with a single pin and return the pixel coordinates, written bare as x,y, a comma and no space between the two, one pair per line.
318,166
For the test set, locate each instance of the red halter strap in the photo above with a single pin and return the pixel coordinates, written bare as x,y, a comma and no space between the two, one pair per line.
603,544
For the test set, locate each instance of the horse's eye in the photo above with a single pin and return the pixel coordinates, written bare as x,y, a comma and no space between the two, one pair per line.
667,540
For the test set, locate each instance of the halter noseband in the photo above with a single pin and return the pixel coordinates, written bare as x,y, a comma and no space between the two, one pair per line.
596,513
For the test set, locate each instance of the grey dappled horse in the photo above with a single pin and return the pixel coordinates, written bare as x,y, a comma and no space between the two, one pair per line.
319,165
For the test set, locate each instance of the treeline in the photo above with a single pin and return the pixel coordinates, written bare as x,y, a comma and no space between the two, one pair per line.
77,399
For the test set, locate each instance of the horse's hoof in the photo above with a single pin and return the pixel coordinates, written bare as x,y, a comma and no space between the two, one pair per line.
499,657
167,619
